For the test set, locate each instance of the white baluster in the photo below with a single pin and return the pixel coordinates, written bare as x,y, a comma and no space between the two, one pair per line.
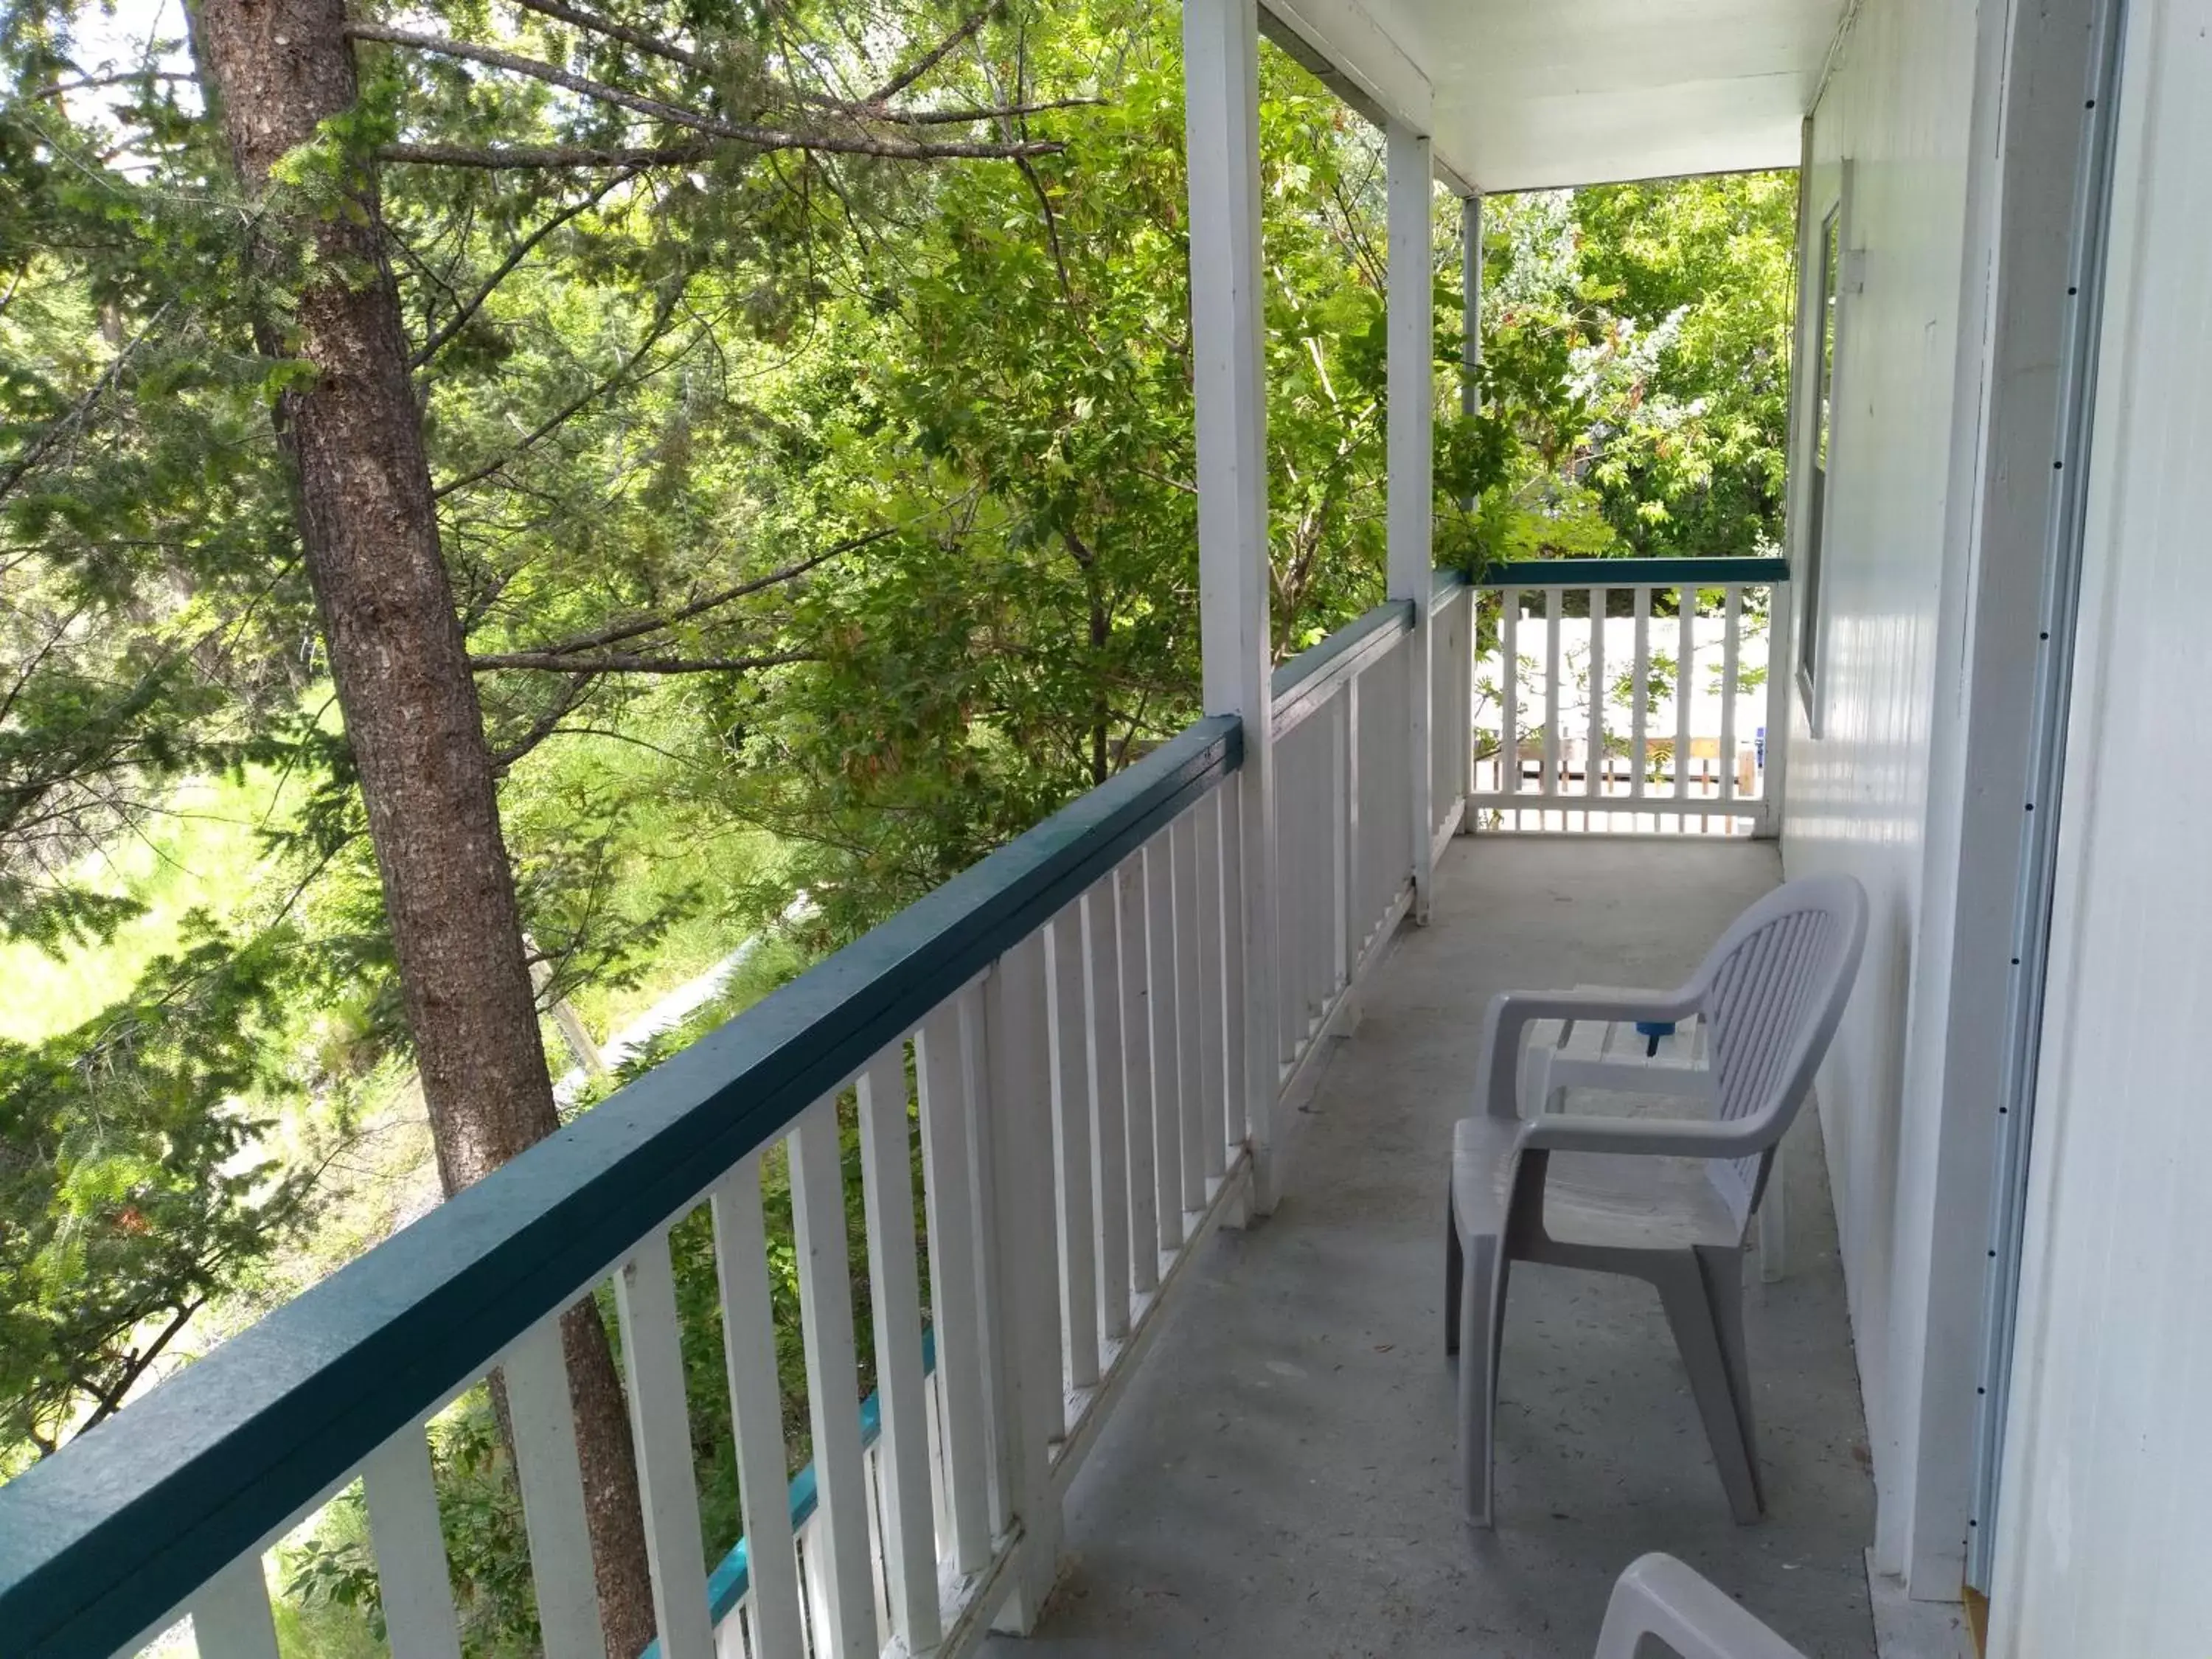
1780,671
871,1483
412,1580
1109,1145
1352,852
952,1186
552,1483
1212,1001
660,1426
757,1410
231,1616
1594,765
1190,1012
1639,698
1032,1408
1685,618
1069,1040
1554,704
1162,999
1509,627
1130,900
1291,834
1731,669
825,1303
1233,1099
1336,885
940,1507
1314,969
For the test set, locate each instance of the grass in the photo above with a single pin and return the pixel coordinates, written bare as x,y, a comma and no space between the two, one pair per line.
190,856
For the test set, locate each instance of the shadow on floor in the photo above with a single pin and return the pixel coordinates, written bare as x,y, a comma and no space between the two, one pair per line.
1279,1480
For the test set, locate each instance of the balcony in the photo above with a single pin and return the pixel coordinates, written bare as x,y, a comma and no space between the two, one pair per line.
1157,1113
1279,1478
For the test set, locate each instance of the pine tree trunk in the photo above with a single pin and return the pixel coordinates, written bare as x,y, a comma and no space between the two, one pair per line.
278,68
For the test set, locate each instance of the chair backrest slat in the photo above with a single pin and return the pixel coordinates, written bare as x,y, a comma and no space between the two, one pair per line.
1774,992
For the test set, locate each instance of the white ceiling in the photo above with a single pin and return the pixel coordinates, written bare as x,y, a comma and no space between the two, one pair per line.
1526,93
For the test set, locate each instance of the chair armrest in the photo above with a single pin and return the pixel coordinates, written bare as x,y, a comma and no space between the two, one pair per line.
1511,1012
1526,1006
1659,1596
1659,1137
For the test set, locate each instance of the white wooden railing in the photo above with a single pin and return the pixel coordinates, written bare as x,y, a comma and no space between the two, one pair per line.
1140,1057
1631,694
1064,1028
1451,691
1344,805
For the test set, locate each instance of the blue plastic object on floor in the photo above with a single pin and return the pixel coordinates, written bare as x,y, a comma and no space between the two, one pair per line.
1651,1030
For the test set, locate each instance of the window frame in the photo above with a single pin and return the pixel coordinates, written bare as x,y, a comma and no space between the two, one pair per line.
1819,340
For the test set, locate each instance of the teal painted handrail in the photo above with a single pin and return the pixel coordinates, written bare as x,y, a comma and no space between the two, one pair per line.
124,1524
1390,617
1635,573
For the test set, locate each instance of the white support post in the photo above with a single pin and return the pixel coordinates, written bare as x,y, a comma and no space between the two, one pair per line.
1221,86
1470,403
1408,443
1470,301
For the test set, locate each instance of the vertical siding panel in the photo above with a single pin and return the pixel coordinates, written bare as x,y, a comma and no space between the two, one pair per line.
2109,1447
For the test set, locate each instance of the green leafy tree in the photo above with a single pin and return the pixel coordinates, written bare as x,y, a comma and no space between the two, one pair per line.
129,1201
1635,376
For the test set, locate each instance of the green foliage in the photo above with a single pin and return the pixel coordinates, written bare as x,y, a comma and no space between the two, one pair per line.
1010,389
1635,374
132,1181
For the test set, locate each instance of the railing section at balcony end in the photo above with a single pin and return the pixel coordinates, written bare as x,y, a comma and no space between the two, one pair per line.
1631,694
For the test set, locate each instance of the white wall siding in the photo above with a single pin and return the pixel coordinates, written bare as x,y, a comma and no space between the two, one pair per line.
1899,109
2104,1528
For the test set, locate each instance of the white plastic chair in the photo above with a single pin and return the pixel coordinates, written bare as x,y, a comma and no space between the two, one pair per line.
1658,1596
1771,991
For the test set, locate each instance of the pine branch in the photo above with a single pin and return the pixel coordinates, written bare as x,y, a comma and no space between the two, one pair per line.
863,112
650,44
524,157
628,663
546,724
123,78
616,633
560,417
930,60
468,308
78,412
759,137
134,1366
961,116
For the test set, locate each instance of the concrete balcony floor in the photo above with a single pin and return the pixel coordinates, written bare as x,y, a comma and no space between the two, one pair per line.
1281,1479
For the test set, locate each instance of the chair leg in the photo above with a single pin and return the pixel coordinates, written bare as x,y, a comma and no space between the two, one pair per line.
1687,1298
1721,1272
1481,1319
1454,1274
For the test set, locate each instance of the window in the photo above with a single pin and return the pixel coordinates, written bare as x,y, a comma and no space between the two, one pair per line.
1810,653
